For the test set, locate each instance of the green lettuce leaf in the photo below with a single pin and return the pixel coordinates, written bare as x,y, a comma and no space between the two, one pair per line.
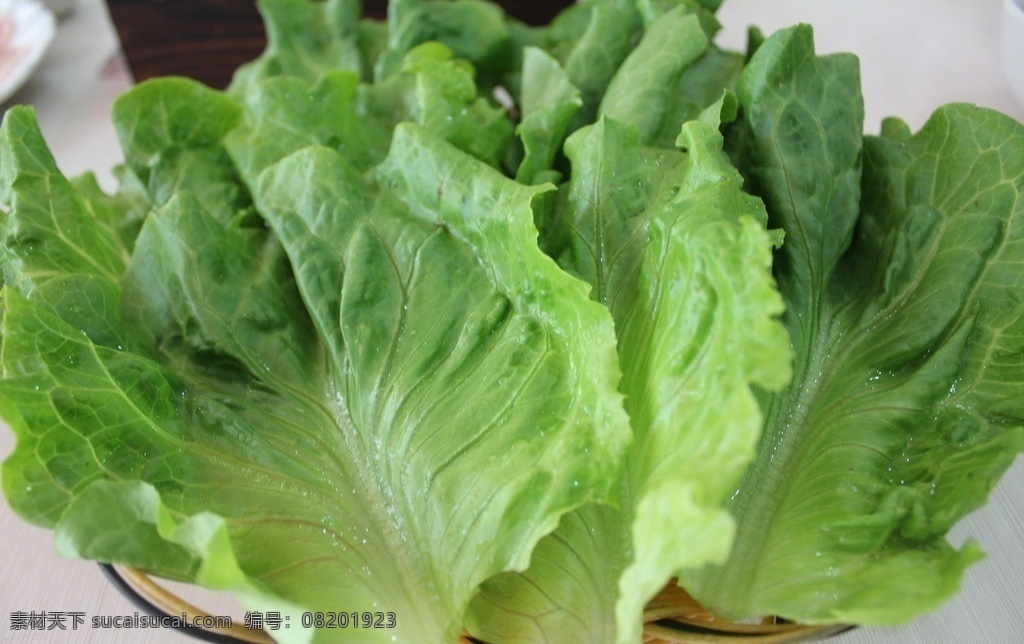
447,104
590,40
308,39
642,88
680,256
479,32
901,278
378,379
171,131
283,114
197,548
44,238
549,103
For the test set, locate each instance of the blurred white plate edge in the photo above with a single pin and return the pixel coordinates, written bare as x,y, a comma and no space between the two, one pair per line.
31,31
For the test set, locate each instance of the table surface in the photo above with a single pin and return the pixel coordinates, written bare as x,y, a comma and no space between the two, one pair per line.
915,54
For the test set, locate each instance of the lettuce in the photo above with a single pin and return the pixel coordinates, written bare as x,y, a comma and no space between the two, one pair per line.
389,379
902,287
354,335
681,257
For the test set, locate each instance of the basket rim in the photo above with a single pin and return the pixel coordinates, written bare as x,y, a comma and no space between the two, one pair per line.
671,617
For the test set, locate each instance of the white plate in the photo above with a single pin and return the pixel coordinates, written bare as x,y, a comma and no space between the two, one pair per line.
26,31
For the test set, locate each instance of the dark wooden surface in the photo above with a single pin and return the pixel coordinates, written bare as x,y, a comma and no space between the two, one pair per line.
208,39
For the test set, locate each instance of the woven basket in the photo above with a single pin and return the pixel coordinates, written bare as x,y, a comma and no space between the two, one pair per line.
672,617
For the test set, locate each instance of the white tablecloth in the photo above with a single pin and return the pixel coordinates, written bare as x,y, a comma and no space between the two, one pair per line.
916,55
